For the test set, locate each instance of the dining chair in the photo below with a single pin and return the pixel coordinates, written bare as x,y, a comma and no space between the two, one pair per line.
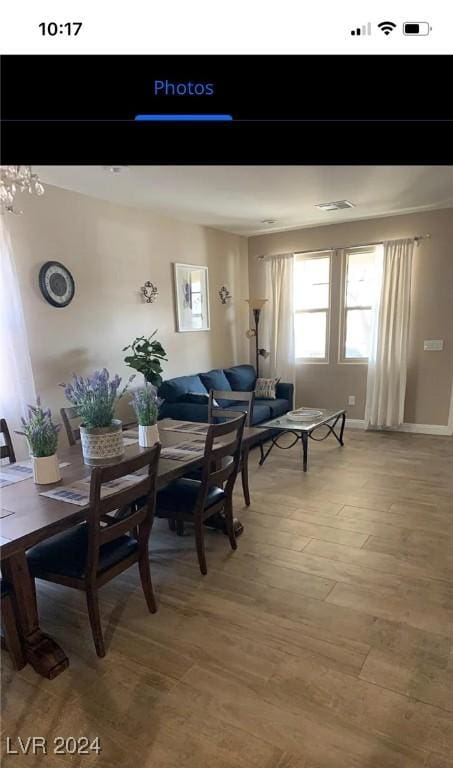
10,637
215,411
194,501
69,415
7,449
91,554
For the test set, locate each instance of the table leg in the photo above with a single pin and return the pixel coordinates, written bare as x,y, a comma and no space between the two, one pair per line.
41,651
343,422
265,455
304,438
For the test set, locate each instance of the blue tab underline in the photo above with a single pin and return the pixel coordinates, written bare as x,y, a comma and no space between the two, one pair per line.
183,118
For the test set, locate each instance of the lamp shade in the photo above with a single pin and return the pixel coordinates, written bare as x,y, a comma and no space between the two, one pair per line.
256,303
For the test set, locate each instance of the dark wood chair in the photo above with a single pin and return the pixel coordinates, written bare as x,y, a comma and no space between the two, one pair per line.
7,449
93,553
10,636
68,416
247,401
194,501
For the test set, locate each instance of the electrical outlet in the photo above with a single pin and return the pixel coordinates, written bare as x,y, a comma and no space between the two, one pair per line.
351,400
433,345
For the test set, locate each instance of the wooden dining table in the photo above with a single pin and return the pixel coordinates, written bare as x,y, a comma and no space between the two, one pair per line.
28,518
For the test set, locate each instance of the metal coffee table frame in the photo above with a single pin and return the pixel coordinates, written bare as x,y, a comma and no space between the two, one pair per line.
303,434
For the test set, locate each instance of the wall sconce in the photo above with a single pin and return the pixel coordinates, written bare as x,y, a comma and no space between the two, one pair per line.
224,295
149,291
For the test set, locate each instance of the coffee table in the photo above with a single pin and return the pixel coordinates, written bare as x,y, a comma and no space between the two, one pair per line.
303,430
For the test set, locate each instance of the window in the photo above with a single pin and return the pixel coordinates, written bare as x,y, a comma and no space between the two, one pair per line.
357,303
311,306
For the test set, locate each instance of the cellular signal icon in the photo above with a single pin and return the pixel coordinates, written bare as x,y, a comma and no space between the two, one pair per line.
364,30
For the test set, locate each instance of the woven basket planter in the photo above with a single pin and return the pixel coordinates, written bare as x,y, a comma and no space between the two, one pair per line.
102,445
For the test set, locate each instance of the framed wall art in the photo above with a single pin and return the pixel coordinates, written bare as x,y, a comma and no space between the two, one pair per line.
191,297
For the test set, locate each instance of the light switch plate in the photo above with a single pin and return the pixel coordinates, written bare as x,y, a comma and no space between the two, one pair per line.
433,345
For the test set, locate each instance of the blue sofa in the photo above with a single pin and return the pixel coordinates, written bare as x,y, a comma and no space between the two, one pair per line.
186,397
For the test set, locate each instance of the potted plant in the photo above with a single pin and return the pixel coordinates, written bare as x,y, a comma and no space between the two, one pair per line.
146,355
95,398
145,404
42,437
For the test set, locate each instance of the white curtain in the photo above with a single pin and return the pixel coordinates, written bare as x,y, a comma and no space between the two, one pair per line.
387,365
17,387
280,315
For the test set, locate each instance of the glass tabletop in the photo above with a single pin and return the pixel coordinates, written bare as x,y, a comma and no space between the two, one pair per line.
285,423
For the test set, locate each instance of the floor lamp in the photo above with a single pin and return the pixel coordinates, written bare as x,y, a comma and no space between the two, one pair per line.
256,306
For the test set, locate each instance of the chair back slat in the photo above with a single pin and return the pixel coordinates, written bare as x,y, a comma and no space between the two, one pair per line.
6,450
115,471
133,515
246,399
69,415
123,498
219,476
222,450
122,526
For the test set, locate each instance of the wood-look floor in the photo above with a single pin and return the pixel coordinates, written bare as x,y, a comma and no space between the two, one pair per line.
324,641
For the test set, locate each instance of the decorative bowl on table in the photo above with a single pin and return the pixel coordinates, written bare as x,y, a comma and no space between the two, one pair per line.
304,414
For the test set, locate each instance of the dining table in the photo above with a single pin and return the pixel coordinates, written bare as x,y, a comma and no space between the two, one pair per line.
27,518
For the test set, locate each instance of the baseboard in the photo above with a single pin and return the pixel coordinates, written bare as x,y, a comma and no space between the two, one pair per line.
426,429
355,423
419,429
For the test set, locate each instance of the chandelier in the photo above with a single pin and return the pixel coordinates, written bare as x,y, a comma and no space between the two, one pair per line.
14,178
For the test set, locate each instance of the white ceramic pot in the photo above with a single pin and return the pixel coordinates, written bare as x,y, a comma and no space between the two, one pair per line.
102,445
46,469
148,436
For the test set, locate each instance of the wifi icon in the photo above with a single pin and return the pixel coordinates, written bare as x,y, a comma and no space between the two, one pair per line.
387,26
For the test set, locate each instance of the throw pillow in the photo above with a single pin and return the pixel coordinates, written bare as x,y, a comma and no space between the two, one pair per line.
265,389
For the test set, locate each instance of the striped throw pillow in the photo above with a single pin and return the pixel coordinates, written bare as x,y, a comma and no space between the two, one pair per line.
265,389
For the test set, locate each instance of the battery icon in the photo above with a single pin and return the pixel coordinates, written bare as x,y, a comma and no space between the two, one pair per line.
416,28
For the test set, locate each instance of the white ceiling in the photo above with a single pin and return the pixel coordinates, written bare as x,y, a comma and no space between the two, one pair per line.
238,198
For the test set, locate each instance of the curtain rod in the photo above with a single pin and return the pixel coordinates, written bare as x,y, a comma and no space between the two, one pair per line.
416,240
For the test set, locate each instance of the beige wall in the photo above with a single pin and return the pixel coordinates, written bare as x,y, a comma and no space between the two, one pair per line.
111,251
430,374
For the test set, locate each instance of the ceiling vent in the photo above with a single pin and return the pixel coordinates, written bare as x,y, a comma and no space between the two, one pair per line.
336,205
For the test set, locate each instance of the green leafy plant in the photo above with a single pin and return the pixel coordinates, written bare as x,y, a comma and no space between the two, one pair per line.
146,355
146,406
40,431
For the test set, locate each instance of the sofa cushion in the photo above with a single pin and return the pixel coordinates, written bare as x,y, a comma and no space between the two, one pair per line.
66,553
216,379
277,407
241,377
260,412
197,398
173,389
184,411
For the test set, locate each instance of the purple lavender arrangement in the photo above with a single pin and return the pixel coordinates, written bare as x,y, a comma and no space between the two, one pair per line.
95,397
40,431
146,405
